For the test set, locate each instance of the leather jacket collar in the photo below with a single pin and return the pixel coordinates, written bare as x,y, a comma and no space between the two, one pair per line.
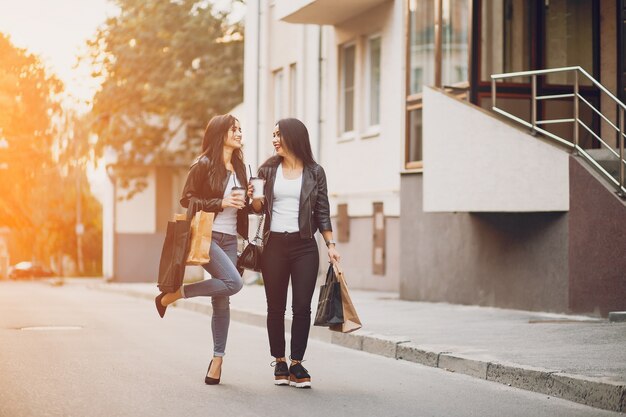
314,208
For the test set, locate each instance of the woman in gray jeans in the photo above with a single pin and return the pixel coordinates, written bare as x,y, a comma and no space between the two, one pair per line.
209,185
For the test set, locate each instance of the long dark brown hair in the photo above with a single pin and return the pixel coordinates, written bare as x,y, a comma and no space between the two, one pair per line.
213,148
295,137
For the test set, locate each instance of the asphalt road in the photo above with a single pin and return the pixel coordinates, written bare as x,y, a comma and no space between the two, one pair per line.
72,351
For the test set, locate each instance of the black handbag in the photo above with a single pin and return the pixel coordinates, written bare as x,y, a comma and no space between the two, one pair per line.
250,257
330,306
174,252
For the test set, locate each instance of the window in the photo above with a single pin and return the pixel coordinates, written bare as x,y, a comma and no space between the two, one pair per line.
454,41
414,132
293,91
421,57
506,36
278,94
421,44
373,80
347,59
437,55
569,38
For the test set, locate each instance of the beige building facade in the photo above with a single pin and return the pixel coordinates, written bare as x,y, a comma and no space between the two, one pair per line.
434,194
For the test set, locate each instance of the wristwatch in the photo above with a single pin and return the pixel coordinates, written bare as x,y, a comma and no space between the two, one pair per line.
330,242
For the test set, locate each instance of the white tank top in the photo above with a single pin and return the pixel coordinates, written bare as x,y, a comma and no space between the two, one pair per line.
226,221
286,203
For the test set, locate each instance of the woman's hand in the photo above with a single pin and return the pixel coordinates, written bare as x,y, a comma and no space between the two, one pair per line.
235,201
333,255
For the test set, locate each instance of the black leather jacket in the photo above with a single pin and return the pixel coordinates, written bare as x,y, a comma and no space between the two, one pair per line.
314,212
209,190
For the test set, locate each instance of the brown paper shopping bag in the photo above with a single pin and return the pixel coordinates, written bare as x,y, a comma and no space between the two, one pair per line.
351,319
201,231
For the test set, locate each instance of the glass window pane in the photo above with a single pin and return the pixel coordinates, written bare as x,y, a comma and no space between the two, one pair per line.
564,109
569,38
505,38
349,66
374,82
622,93
347,85
293,91
517,106
421,44
415,135
454,42
278,95
348,124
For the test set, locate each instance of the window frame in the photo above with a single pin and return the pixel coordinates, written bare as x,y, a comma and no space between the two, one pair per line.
293,89
277,94
344,134
372,129
414,101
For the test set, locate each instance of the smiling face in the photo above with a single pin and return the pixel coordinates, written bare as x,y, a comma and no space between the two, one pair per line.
233,136
279,146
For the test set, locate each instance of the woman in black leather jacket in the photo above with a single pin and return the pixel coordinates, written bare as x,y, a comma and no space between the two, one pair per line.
211,178
295,207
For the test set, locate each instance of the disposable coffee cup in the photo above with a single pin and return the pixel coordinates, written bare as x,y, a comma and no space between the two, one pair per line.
257,187
239,192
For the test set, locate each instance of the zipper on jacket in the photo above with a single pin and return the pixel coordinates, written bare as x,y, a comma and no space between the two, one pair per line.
310,220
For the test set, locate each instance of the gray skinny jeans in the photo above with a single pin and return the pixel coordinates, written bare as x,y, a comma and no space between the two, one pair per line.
225,281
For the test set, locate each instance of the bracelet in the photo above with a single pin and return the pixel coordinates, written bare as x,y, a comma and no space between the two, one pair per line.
330,242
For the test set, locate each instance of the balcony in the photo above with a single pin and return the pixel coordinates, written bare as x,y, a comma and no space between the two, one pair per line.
322,12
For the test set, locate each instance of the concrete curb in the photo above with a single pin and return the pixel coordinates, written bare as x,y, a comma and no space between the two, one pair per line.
594,392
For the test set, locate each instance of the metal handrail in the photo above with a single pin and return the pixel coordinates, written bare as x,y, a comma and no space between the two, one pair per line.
534,124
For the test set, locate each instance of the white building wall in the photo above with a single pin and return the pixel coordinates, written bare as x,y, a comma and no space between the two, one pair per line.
365,168
362,170
251,56
476,163
138,215
277,46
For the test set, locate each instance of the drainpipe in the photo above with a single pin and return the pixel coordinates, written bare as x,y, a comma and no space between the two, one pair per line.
320,61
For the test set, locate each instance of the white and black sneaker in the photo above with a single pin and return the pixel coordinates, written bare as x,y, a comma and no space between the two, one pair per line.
281,373
298,376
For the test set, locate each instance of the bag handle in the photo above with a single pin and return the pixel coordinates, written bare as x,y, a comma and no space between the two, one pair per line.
338,268
191,208
331,275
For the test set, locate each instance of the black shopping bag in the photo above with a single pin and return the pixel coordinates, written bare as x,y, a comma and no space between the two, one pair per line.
174,253
250,257
329,306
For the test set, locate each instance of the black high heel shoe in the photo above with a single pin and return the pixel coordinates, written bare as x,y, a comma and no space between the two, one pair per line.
160,307
212,381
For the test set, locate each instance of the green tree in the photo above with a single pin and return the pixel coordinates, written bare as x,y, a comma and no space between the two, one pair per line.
167,67
27,100
43,154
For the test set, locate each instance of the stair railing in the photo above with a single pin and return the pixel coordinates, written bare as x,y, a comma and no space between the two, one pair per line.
535,125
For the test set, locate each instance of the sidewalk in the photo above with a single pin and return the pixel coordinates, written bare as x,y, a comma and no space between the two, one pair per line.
577,358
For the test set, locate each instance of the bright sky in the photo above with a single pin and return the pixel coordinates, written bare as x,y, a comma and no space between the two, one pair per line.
57,30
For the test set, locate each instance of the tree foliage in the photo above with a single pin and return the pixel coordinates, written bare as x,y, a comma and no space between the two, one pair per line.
41,163
167,67
27,101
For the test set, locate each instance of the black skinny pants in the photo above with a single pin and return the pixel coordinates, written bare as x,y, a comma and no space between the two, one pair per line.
288,255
